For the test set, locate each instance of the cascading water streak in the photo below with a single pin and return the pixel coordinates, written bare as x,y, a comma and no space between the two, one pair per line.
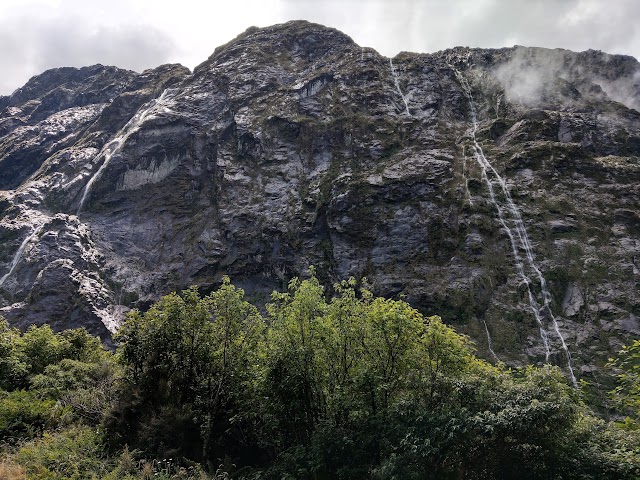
489,342
517,259
507,209
396,81
114,146
464,175
18,255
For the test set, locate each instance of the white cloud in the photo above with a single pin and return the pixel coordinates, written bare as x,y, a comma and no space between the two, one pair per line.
41,35
136,34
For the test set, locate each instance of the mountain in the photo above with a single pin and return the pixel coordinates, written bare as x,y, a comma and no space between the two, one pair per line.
499,189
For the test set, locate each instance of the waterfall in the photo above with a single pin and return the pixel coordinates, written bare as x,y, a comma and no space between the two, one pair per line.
397,83
464,175
519,239
18,255
498,102
114,146
489,342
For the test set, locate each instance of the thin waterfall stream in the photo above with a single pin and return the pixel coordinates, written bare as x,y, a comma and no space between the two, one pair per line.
508,212
18,255
115,145
397,83
465,175
489,341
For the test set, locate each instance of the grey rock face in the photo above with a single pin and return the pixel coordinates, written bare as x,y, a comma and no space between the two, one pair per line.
293,146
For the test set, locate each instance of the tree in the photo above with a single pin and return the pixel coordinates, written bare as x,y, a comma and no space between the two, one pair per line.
47,376
627,392
23,356
350,387
186,362
334,371
14,368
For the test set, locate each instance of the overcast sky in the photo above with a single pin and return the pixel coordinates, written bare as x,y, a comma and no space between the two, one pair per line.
138,34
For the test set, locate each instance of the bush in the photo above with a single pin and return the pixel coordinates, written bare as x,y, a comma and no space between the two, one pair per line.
73,454
24,415
627,392
23,356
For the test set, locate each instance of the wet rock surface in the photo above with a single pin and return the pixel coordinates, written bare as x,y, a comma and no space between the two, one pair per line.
292,146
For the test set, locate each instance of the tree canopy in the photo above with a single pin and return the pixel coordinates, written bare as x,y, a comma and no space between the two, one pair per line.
350,386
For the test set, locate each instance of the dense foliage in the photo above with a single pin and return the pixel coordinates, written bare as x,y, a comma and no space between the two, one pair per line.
352,387
627,393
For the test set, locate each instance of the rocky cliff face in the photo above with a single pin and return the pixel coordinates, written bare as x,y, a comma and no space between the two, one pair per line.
497,188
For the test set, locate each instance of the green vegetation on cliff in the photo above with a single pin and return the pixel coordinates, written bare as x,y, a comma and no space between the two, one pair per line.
352,387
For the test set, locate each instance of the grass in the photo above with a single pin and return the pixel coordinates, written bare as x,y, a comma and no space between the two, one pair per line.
12,471
76,453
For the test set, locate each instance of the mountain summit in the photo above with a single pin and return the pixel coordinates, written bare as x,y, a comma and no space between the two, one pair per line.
496,188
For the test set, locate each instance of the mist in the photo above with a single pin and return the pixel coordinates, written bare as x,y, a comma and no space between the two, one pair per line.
531,71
